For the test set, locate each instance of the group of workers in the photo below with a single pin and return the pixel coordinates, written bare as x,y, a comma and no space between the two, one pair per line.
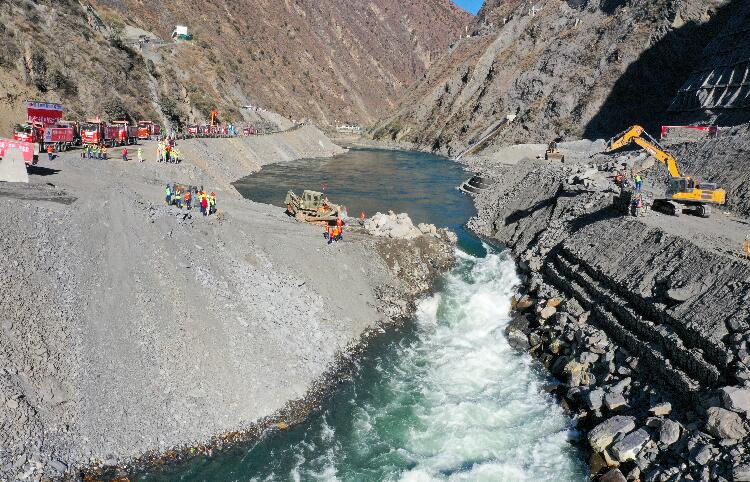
336,233
167,151
99,151
623,181
637,205
94,151
185,197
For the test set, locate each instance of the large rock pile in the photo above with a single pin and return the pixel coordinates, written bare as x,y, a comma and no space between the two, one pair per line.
400,226
633,433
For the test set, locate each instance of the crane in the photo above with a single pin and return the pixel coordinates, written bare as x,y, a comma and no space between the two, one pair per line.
684,192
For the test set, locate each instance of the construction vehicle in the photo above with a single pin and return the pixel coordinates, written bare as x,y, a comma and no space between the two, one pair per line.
126,134
684,192
62,136
312,206
553,153
98,132
147,130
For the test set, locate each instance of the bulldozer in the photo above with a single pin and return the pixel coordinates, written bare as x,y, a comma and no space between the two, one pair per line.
312,206
684,192
553,153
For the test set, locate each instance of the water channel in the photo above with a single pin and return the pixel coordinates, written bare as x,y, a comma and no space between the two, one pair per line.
445,398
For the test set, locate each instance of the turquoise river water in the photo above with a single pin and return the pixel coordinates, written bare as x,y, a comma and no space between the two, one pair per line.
445,398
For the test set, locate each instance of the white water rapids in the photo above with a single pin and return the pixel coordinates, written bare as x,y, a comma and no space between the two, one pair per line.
454,403
448,400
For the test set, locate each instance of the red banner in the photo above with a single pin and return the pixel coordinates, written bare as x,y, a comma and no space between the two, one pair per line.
59,134
26,148
47,114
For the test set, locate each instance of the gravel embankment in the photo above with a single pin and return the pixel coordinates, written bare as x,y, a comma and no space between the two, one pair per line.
129,327
644,321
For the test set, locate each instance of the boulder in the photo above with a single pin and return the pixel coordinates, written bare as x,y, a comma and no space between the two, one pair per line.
614,475
669,432
518,340
627,448
724,424
701,454
661,409
614,400
603,434
736,399
741,473
684,292
524,303
595,398
596,464
547,312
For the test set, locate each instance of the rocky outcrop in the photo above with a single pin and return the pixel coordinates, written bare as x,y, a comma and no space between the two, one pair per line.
645,327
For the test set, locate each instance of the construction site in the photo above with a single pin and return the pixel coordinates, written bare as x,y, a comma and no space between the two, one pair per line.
605,146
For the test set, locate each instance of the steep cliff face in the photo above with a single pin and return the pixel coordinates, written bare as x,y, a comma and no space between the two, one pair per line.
323,59
564,68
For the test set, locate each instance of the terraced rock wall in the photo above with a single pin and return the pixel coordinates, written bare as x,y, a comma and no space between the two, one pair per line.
636,321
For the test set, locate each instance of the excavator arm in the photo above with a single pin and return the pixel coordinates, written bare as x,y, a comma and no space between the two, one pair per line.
639,135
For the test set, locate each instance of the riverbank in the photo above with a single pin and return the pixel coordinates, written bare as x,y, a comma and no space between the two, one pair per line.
134,328
642,320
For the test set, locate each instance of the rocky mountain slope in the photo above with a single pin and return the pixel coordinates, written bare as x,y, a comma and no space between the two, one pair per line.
326,60
564,68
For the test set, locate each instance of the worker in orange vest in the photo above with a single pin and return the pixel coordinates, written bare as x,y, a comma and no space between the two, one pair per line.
187,199
50,150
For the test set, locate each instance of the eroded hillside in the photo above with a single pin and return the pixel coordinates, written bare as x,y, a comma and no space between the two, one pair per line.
325,60
564,68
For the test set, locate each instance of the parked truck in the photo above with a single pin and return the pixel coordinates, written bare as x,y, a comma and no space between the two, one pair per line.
98,132
148,130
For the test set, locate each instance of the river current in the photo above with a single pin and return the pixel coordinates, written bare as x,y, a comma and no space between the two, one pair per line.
445,397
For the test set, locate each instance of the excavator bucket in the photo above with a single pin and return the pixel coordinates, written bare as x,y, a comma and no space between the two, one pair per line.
13,167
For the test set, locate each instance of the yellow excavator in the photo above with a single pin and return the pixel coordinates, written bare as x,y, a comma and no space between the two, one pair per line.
684,192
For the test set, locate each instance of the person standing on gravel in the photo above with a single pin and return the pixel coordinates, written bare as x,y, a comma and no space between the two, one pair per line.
168,193
125,154
212,203
187,199
204,204
638,182
140,154
50,150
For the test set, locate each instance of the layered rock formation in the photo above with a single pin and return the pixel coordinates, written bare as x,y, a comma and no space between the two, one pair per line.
643,320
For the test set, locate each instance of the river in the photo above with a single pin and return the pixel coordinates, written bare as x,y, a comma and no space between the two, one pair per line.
444,398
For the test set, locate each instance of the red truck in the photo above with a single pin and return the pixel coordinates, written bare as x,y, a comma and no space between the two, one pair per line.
126,134
62,136
99,133
147,130
29,132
